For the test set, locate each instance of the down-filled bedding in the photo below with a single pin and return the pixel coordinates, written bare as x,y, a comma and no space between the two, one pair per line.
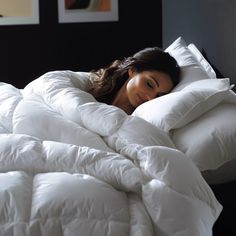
73,166
199,114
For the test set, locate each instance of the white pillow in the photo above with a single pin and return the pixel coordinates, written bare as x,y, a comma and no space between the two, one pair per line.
191,68
177,109
179,50
210,142
201,59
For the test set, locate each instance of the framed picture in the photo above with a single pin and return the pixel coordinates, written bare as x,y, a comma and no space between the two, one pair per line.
17,12
70,11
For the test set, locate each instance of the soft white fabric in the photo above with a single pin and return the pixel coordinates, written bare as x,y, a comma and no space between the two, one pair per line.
210,142
72,166
190,66
177,109
182,113
202,60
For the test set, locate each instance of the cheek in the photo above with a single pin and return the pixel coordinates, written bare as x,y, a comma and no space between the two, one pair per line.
136,84
132,90
131,86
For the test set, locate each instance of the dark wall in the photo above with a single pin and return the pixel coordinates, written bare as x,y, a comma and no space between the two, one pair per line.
210,24
28,51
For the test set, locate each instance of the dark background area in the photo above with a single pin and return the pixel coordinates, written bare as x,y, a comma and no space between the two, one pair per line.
210,24
28,51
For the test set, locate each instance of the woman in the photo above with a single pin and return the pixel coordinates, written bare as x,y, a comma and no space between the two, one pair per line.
128,83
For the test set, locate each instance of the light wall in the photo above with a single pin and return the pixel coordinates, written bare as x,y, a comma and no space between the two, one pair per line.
15,8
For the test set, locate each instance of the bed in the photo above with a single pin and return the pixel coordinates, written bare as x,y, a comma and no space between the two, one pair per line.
73,166
210,25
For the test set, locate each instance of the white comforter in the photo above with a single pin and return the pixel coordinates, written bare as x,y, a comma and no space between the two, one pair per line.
72,166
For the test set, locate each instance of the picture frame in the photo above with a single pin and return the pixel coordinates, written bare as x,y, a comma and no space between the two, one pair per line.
15,12
74,11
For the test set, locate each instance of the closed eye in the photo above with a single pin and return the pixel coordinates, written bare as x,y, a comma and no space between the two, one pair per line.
150,85
156,81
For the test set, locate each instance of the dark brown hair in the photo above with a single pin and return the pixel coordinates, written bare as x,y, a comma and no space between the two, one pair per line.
109,80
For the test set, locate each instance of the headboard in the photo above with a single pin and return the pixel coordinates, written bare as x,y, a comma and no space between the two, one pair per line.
210,25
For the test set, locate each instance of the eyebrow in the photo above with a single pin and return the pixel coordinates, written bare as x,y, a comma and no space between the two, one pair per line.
155,79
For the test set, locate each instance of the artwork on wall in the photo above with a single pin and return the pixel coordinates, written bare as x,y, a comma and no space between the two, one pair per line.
72,11
15,12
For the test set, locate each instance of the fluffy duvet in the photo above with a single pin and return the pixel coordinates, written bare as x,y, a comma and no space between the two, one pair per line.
72,166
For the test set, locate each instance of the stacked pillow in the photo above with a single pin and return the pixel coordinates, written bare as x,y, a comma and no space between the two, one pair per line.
193,104
210,141
193,65
177,109
203,62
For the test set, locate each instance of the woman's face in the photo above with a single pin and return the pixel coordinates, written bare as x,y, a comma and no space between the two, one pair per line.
147,85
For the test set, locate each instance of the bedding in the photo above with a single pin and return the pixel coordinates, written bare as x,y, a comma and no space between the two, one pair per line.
214,151
202,61
73,166
177,109
192,67
200,119
199,114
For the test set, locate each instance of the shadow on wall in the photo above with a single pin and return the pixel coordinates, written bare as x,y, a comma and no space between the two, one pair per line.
218,73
